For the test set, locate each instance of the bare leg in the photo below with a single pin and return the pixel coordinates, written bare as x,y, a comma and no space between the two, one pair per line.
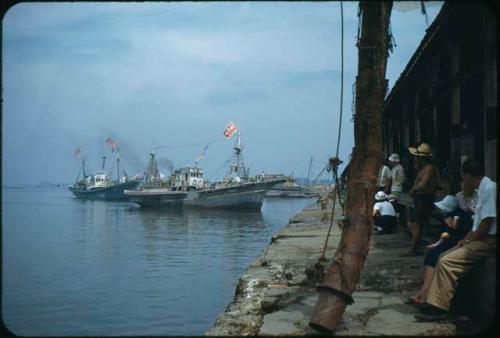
417,236
429,271
421,295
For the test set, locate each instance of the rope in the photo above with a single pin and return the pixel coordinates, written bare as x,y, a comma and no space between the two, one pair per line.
333,164
341,74
322,258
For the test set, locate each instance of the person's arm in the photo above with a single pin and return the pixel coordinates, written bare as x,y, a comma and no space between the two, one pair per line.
465,240
376,209
388,183
482,229
450,222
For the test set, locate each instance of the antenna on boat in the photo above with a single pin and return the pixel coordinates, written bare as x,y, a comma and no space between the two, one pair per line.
103,162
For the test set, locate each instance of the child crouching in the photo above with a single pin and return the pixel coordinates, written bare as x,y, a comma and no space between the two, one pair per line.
384,215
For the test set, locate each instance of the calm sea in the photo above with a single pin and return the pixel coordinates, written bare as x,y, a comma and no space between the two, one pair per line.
73,267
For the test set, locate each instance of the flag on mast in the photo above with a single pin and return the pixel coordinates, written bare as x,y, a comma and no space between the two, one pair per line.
112,144
77,152
202,155
230,130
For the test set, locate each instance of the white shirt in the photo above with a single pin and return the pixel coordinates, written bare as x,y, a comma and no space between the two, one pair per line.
383,176
398,178
486,204
384,208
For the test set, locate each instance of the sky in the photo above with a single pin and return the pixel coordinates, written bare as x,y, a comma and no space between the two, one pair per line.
168,78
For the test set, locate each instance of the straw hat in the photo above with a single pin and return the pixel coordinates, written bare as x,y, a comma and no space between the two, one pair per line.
422,150
447,204
394,158
380,196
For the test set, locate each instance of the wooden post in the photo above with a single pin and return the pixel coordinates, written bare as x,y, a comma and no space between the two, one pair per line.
343,274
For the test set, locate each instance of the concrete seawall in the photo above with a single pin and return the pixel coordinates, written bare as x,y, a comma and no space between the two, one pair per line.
276,294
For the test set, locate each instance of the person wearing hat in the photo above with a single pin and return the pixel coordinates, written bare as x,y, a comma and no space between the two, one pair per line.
457,210
396,184
384,215
384,178
477,245
397,175
423,191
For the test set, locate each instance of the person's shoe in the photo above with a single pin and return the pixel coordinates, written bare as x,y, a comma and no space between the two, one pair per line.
413,301
433,314
432,317
423,307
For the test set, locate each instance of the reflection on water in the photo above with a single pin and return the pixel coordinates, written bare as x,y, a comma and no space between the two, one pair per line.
76,267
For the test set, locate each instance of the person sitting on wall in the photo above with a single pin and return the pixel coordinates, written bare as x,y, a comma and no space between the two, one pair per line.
423,191
384,215
478,244
458,211
384,178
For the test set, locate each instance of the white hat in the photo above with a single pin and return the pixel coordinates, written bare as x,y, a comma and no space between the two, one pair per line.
447,204
380,196
394,158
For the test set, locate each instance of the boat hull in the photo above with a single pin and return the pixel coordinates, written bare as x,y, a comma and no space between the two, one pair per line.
156,197
115,192
241,196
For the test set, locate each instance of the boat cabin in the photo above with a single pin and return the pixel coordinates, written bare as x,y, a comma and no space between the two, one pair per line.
99,180
187,178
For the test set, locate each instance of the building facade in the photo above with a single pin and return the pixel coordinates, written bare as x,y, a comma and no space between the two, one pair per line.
447,94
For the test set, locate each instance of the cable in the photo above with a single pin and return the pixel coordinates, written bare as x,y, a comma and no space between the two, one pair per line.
341,74
333,164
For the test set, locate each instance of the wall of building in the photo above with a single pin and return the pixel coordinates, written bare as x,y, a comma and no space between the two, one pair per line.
446,96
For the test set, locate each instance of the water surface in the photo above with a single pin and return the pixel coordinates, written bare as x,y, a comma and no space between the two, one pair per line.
73,267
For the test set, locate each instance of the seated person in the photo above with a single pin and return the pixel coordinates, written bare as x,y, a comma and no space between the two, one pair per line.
384,215
458,210
477,245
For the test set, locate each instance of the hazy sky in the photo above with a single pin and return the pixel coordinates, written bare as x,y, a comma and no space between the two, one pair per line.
75,74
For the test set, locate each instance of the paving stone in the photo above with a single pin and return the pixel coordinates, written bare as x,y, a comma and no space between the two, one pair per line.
284,323
276,298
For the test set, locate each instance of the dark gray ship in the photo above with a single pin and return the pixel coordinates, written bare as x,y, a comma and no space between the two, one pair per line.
101,186
186,187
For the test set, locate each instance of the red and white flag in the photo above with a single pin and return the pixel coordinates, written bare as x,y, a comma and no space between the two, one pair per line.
111,143
230,130
77,152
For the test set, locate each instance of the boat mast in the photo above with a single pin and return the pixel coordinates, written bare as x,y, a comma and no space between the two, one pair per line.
83,168
103,162
309,173
118,166
152,174
239,165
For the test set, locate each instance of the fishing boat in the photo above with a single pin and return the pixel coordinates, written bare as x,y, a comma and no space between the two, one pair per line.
100,185
155,191
186,188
